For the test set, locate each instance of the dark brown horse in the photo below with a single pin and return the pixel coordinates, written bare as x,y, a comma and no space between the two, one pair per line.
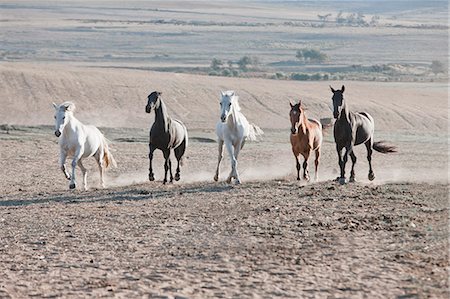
166,134
351,129
306,136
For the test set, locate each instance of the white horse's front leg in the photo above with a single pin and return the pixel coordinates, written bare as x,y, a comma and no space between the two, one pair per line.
76,157
237,149
233,159
84,172
62,163
219,158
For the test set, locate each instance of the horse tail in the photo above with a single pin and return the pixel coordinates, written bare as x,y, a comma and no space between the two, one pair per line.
254,132
108,158
185,141
384,148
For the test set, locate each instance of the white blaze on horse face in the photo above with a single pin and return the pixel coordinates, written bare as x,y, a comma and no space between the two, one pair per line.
225,107
60,120
295,118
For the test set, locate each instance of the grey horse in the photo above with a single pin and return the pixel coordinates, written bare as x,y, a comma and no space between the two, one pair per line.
351,129
166,134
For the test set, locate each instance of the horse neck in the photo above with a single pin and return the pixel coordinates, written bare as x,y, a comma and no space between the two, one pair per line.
233,117
161,116
304,123
345,113
71,126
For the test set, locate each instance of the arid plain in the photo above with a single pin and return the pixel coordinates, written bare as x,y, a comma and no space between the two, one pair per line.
269,237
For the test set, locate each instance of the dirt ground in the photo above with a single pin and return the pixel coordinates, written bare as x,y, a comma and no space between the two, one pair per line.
269,237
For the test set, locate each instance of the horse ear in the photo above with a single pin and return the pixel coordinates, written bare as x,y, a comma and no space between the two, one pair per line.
299,103
159,93
222,93
332,89
292,106
55,106
232,93
343,88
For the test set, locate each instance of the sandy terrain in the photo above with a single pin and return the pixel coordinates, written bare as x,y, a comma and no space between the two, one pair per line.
270,237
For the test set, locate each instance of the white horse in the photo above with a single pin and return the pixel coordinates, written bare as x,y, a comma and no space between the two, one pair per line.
79,141
233,129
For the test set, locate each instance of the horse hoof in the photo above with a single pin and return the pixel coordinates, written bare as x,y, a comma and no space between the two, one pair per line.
298,178
151,178
237,182
177,177
342,181
371,176
352,180
164,182
72,186
229,181
216,178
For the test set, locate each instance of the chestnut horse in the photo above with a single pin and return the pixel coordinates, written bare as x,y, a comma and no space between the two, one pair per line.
306,136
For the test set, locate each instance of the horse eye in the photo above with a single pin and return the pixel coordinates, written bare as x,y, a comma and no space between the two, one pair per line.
63,118
54,117
229,105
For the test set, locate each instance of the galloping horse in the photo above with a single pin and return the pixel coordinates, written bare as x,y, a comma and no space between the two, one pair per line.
166,134
233,129
306,136
79,141
350,129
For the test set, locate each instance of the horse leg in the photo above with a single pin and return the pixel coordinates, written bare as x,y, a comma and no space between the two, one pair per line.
167,165
62,163
219,158
233,159
101,166
341,179
84,172
298,167
369,158
179,152
352,172
316,164
348,150
76,157
151,176
305,167
237,149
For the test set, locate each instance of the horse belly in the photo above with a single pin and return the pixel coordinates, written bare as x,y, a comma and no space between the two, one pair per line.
93,142
362,135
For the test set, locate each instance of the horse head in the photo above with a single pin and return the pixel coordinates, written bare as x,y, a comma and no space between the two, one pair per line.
295,115
153,101
229,100
62,113
338,101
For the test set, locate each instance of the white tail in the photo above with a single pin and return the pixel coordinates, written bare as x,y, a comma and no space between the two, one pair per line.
108,157
254,132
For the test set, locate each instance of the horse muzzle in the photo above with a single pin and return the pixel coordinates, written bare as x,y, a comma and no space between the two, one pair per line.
336,115
57,133
223,118
294,131
148,109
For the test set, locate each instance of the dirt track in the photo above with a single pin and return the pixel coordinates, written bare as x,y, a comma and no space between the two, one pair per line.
269,237
261,239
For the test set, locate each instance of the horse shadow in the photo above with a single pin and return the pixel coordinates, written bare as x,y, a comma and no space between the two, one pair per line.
111,195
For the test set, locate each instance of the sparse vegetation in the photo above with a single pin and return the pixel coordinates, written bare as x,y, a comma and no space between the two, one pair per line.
438,67
311,56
